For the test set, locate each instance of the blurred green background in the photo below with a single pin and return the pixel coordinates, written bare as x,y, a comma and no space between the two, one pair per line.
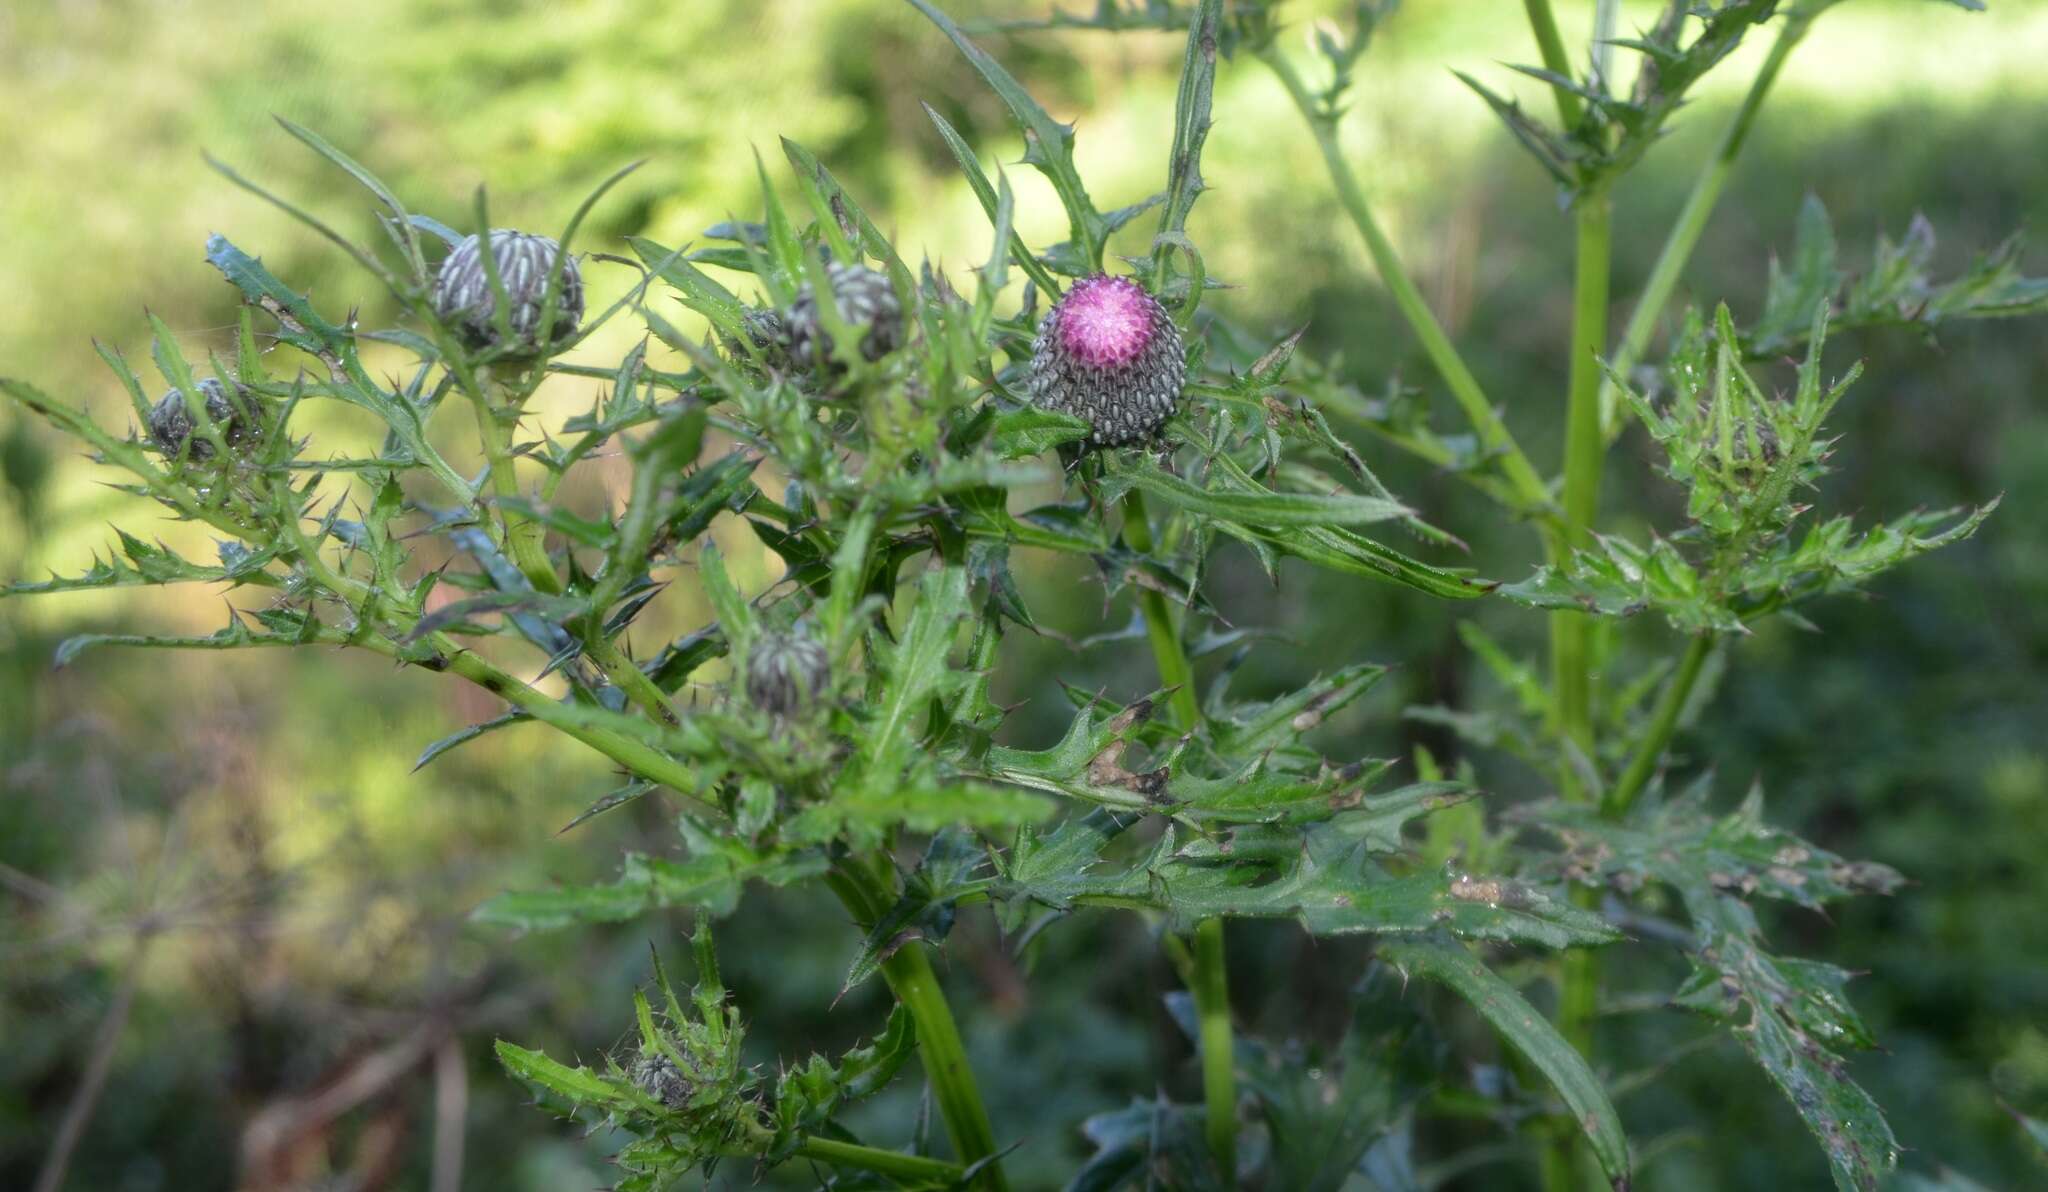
232,852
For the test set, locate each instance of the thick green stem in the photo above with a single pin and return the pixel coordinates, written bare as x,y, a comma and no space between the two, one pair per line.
1565,1161
1533,494
1174,669
1555,60
1571,632
1699,206
889,1163
1208,976
1663,723
1219,1058
524,537
909,974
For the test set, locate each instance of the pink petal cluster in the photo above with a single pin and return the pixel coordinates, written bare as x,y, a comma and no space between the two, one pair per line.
1106,321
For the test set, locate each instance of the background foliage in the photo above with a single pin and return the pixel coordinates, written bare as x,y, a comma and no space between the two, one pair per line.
308,897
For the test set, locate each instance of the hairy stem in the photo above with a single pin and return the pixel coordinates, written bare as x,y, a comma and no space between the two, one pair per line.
1699,206
1533,495
1571,632
1663,723
1543,23
909,974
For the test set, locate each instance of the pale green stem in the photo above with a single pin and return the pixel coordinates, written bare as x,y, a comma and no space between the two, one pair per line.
1699,206
1219,1059
889,1163
1486,422
909,974
524,538
1209,983
1160,626
1564,1160
1571,632
1555,60
1663,723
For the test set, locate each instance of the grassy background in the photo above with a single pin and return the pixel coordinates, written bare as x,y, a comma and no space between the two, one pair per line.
254,815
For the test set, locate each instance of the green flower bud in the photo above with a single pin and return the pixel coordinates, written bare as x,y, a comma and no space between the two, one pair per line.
657,1075
464,299
786,672
237,418
866,301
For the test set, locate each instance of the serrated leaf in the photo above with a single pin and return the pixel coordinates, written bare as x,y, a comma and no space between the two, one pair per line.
1529,1033
1048,145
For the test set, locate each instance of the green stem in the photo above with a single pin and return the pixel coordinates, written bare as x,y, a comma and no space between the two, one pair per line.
524,538
1571,632
1208,976
889,1163
1543,23
1493,434
1565,1162
909,973
1663,723
1219,1059
1174,669
1699,206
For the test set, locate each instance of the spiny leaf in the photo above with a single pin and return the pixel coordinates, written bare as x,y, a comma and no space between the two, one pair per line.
1528,1032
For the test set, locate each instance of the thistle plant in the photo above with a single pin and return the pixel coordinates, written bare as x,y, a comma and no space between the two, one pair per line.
881,428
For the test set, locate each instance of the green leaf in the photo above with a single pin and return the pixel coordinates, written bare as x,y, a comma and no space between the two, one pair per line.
917,670
1047,145
991,203
1191,107
577,1085
1255,508
1525,1029
1030,431
696,288
1790,1015
710,880
1327,1108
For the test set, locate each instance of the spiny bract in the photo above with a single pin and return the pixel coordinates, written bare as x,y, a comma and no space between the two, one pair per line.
867,303
170,419
785,672
463,296
1109,353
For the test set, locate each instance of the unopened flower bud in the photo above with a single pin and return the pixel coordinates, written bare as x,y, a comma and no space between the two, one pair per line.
236,418
657,1075
866,302
786,672
1109,353
464,299
1752,441
768,332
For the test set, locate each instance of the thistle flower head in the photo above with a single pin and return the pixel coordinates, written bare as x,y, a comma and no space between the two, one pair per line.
768,332
786,672
867,303
464,298
657,1075
236,417
1109,353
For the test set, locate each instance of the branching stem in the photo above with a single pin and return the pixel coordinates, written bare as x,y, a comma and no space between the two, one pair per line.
1571,632
1209,984
1532,493
1699,206
909,973
1663,723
